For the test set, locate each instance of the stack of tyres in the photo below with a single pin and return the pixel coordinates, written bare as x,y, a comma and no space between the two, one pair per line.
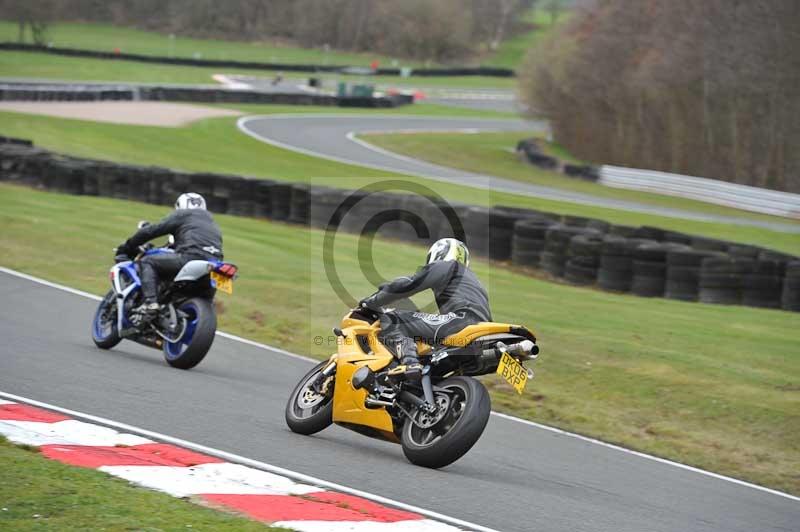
763,285
262,198
709,244
589,223
744,251
413,226
528,242
141,186
584,259
649,233
616,263
242,198
650,268
165,186
324,207
281,197
476,227
501,234
300,204
676,237
366,213
790,298
624,231
721,279
401,220
683,273
529,213
222,191
554,256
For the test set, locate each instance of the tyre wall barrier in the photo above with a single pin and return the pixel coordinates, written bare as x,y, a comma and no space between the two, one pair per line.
645,261
253,65
177,93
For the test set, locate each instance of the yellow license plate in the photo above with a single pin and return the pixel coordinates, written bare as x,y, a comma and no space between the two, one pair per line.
512,371
223,283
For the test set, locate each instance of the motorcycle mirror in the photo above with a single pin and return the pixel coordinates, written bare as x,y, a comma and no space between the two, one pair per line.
142,223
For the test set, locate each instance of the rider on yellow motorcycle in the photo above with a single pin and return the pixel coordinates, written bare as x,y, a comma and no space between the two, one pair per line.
461,298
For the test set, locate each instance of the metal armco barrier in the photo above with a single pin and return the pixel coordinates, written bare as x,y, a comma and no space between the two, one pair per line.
709,190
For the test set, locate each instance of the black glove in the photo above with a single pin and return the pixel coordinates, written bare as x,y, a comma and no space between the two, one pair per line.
369,303
122,249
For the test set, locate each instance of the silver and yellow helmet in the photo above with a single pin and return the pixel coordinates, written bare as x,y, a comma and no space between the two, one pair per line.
448,249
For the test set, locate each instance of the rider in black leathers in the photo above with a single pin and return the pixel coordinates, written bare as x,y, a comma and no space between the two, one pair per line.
460,296
197,236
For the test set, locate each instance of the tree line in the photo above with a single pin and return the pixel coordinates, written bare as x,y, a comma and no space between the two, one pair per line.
424,30
707,88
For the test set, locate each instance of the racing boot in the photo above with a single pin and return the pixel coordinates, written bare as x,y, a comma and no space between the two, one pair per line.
147,311
409,368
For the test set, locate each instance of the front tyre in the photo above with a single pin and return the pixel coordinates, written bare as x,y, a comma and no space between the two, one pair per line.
308,411
439,439
194,343
104,324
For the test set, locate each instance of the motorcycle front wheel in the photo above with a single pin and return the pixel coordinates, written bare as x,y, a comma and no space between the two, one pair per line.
308,411
104,324
438,439
196,340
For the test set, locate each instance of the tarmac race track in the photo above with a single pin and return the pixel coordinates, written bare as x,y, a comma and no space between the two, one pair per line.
518,477
335,137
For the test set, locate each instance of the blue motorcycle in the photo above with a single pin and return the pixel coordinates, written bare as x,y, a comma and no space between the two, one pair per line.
185,326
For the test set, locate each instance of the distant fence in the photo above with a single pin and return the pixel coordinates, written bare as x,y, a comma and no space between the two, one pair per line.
255,65
709,190
179,93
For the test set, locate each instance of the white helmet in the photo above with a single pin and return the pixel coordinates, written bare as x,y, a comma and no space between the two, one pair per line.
190,200
448,249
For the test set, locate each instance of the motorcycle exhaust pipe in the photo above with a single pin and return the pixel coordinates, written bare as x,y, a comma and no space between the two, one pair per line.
524,350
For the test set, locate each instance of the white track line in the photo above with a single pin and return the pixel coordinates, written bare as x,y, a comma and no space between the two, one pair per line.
235,458
497,414
241,124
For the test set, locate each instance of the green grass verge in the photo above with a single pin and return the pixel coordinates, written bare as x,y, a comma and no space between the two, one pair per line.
512,51
492,153
713,386
107,38
49,66
41,494
215,146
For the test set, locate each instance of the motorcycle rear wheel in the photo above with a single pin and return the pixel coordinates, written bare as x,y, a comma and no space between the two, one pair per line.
196,340
104,325
449,438
308,412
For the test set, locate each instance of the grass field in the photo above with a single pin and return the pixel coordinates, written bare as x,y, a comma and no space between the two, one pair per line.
108,38
492,153
512,51
41,494
215,145
713,386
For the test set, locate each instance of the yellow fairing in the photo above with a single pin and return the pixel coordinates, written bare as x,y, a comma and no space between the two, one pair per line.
471,333
348,403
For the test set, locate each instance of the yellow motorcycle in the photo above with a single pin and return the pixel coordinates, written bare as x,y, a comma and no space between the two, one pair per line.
436,419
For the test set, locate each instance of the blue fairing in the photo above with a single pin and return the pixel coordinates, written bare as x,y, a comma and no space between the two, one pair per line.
158,251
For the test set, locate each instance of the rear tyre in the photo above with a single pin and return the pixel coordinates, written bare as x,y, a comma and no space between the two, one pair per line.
449,438
195,342
307,411
104,324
